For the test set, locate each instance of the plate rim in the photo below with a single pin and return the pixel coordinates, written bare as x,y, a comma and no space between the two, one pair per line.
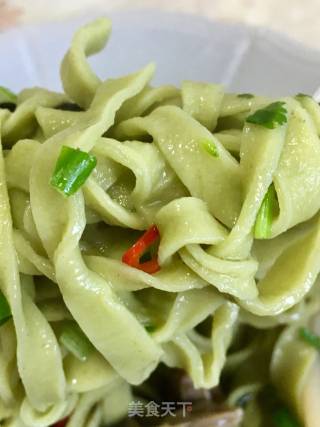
290,45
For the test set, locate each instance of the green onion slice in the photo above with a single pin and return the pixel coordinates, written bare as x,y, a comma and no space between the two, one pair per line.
308,336
303,95
209,147
6,96
5,312
284,418
150,328
75,341
262,227
72,169
270,117
246,95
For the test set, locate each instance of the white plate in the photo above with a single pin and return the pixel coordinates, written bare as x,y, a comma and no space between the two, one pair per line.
183,46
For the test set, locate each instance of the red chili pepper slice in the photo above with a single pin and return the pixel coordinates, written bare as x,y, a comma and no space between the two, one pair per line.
61,423
133,255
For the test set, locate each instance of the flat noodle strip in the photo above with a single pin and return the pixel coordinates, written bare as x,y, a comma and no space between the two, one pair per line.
81,287
79,81
8,370
290,278
22,123
179,137
37,349
204,369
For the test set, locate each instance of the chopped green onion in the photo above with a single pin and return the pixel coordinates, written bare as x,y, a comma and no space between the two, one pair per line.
150,328
6,96
8,99
308,336
245,95
5,312
283,418
302,95
209,147
271,116
262,227
75,341
72,169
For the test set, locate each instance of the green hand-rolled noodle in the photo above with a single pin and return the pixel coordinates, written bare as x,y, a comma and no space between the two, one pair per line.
30,417
54,310
52,121
81,289
25,252
36,344
312,107
79,81
175,277
202,101
290,278
101,114
22,123
234,104
220,273
90,375
149,98
231,140
150,187
260,153
115,404
8,370
310,396
292,362
85,413
19,162
298,169
189,309
40,347
222,306
204,369
179,226
215,180
73,277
